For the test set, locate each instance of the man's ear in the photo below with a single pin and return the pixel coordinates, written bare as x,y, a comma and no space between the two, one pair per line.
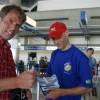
1,15
0,19
67,33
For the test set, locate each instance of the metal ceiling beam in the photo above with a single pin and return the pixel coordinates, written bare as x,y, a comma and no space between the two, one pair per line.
95,17
43,35
53,45
52,19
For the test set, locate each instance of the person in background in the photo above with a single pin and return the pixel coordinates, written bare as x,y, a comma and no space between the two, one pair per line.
43,63
20,66
98,68
69,64
92,60
11,19
93,66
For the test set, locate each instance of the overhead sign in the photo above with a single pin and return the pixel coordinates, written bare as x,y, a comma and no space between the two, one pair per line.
35,47
83,17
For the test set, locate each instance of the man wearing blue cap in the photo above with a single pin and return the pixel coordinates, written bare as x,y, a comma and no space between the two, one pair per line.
70,65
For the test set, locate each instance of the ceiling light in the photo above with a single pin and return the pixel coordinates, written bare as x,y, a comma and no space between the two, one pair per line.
30,21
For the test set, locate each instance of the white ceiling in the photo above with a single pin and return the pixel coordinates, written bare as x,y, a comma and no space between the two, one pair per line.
45,18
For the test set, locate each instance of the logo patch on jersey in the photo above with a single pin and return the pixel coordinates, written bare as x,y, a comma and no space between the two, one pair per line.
88,81
67,67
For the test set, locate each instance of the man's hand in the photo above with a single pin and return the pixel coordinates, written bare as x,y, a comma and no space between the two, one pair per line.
54,93
26,79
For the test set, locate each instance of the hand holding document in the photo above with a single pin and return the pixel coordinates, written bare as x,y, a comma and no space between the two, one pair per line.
48,82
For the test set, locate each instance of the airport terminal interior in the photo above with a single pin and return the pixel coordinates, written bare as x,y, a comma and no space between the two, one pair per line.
31,47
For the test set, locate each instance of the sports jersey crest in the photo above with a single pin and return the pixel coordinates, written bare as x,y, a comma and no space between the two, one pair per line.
67,67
